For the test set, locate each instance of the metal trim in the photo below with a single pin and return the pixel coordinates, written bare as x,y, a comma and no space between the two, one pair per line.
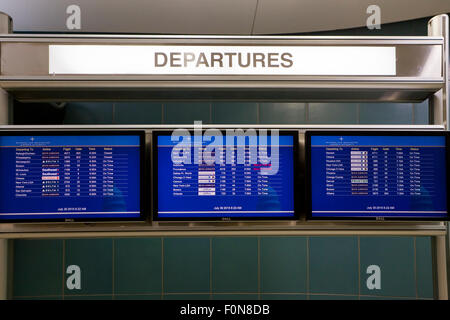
224,126
234,81
40,36
213,233
400,88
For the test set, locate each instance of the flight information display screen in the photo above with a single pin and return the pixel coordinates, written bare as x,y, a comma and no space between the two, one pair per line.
65,176
377,175
224,176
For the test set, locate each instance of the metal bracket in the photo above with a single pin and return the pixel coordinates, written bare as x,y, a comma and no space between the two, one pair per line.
5,102
439,107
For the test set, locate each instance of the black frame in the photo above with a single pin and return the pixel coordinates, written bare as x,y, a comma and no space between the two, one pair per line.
308,178
61,132
295,186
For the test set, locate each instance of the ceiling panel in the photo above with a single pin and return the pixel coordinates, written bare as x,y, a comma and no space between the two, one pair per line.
212,16
135,16
297,16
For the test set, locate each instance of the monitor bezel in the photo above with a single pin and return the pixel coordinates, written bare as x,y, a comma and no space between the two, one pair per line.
143,184
308,177
296,198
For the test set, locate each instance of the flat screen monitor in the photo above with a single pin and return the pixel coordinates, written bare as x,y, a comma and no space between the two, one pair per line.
224,175
71,176
377,175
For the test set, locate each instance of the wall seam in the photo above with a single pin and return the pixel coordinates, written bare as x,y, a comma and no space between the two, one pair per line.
10,269
254,17
113,268
358,113
259,267
359,267
113,113
307,112
63,267
307,268
210,112
210,270
162,268
415,267
258,113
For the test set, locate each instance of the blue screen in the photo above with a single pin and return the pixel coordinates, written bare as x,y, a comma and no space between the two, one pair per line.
69,177
378,176
237,181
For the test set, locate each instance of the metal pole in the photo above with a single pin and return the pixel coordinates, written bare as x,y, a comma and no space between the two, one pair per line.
4,107
3,269
5,23
5,27
439,26
441,267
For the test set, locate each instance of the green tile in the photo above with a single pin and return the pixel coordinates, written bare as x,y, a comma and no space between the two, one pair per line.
283,264
333,265
94,257
421,113
39,298
186,265
38,267
187,112
88,297
138,297
424,267
280,296
333,113
282,113
39,113
395,257
383,298
385,113
235,297
187,297
235,264
235,112
137,265
138,112
332,297
89,113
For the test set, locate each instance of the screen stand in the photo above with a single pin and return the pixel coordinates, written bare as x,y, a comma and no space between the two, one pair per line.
4,117
3,268
440,267
438,26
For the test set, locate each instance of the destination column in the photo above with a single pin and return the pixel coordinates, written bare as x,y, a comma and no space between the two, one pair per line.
337,171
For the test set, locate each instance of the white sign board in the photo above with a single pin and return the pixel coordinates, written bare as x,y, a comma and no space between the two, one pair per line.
222,60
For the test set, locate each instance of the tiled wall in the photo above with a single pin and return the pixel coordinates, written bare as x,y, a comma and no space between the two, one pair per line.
224,267
223,113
